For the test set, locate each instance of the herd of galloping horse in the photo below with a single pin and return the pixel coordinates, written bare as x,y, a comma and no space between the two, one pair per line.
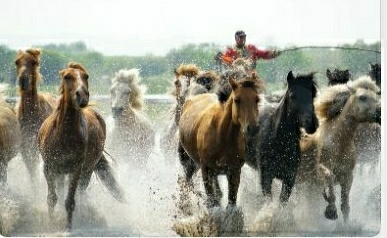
219,123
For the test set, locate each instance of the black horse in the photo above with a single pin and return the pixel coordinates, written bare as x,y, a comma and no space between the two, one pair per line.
375,73
274,145
338,76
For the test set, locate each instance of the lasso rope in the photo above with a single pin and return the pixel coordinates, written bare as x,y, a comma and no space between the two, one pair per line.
328,47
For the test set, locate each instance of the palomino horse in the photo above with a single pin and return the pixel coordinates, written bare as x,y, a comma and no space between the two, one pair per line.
71,141
132,134
212,136
10,136
338,76
33,107
329,155
274,144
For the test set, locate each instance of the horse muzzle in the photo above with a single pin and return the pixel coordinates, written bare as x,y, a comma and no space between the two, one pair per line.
24,82
82,98
117,111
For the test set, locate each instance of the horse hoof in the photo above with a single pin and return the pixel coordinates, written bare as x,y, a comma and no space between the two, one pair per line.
331,212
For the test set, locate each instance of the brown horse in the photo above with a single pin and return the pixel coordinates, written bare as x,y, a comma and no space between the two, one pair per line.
9,137
212,136
71,141
329,155
33,107
189,81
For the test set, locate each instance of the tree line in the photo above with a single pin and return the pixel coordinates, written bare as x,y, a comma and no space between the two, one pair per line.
157,71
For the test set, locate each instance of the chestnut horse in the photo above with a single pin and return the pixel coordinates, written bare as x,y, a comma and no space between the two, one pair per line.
71,141
329,155
33,107
189,81
212,136
274,144
10,136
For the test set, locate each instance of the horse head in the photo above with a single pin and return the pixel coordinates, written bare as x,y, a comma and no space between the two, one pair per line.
205,82
301,93
338,77
125,92
245,96
366,105
74,85
27,65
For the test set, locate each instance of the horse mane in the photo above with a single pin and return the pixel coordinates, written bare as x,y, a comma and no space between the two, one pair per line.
332,101
225,89
338,76
199,87
75,65
188,70
253,81
132,78
307,79
242,63
72,65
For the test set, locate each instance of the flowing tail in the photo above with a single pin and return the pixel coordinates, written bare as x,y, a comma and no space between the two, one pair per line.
105,173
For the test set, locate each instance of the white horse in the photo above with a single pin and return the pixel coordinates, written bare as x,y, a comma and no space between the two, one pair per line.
132,137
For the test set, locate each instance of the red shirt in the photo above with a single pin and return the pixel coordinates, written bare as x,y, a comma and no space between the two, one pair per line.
232,53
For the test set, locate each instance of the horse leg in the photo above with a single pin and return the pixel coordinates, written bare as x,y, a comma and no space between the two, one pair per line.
346,185
70,201
326,177
52,198
31,160
266,182
286,189
233,177
187,163
217,191
208,179
60,179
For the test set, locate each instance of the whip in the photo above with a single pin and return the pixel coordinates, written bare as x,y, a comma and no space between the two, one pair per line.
328,47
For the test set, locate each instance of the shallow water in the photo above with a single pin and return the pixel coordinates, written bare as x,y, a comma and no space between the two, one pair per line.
153,198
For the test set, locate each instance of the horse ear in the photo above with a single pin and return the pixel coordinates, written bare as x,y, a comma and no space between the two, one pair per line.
290,76
232,83
61,73
34,52
328,74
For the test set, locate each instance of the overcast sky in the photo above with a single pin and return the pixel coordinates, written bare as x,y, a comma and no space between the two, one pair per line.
120,27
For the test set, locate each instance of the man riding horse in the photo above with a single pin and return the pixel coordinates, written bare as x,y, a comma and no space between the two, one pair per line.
241,50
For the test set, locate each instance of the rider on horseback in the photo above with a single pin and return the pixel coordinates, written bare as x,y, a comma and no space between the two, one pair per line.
241,50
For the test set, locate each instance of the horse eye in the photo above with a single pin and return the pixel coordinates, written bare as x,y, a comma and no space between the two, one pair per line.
362,98
237,100
67,77
86,76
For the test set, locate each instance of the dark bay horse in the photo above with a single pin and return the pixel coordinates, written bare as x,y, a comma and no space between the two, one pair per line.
274,145
71,141
212,136
33,107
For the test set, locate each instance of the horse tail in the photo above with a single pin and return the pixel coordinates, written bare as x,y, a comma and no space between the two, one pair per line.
105,173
